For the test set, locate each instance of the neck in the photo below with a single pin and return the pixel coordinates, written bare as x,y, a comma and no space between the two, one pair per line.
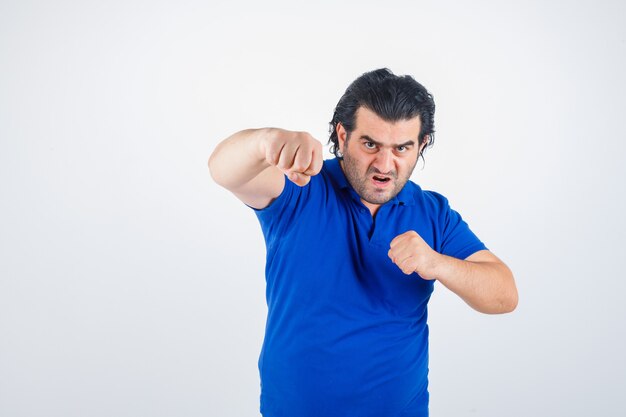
373,208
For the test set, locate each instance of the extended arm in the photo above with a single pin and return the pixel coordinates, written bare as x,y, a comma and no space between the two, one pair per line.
252,163
482,280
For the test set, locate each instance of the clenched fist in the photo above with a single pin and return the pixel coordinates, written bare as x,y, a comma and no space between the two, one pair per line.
412,254
297,154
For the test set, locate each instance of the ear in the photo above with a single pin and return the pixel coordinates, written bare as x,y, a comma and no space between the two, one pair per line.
342,135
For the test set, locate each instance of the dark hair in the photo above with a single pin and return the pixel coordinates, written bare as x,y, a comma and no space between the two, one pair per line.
391,97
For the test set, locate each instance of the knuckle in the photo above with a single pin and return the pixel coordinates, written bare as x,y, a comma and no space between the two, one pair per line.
298,166
271,158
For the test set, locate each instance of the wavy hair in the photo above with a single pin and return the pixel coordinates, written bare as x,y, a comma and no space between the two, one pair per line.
391,97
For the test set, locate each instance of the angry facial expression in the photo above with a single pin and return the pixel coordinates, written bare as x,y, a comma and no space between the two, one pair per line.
379,156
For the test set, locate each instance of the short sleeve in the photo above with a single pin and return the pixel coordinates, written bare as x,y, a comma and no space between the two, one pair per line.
279,204
276,218
457,240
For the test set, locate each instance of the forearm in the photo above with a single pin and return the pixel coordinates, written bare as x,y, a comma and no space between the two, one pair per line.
239,158
488,287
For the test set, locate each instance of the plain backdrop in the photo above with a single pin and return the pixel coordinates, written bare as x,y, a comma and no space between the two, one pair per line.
132,285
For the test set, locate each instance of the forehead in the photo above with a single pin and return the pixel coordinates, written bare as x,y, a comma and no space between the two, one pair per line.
369,123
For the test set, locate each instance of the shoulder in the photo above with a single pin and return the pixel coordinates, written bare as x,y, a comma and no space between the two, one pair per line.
435,199
298,197
431,201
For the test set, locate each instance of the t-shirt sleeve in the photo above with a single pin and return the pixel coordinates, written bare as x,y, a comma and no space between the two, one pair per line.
276,218
457,240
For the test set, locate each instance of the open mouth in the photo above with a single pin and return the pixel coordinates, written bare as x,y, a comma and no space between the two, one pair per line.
381,180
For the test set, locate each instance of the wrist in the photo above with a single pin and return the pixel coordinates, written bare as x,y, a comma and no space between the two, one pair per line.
440,265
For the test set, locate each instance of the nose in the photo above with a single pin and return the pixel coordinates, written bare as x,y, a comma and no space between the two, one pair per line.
384,162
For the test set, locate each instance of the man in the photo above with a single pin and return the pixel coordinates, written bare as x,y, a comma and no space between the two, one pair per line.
353,250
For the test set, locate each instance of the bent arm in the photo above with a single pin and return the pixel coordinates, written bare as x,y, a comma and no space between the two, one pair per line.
482,280
252,163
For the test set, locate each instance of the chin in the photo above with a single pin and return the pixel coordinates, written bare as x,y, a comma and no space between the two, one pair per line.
378,199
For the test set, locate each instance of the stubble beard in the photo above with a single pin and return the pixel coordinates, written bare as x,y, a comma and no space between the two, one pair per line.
362,182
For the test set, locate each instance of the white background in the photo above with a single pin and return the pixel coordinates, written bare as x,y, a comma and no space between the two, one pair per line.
132,285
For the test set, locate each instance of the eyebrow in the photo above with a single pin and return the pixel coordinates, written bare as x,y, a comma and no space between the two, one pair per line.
375,142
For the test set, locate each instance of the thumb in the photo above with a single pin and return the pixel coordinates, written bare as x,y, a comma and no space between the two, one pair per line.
299,178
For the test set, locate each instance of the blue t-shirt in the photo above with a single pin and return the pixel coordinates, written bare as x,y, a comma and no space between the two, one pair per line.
346,331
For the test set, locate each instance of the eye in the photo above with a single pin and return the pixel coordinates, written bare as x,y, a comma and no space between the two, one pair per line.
369,145
401,149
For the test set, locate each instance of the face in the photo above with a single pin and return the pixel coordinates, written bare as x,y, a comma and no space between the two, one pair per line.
379,156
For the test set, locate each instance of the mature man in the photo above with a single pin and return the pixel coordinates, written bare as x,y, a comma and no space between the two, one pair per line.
353,250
